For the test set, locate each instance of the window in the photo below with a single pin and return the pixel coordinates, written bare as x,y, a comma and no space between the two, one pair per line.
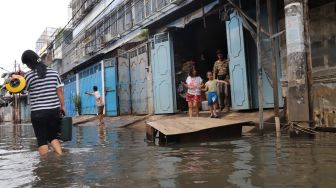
128,21
107,25
154,7
99,35
114,28
148,8
138,11
161,4
121,19
90,42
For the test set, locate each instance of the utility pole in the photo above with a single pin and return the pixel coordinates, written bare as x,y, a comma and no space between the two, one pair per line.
260,71
298,88
16,98
274,70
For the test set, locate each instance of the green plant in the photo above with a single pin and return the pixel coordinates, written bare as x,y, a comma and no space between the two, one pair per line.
77,101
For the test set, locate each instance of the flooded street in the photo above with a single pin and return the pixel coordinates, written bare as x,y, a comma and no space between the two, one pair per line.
119,157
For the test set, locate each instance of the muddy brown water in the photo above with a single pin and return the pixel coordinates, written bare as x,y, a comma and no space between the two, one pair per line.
119,157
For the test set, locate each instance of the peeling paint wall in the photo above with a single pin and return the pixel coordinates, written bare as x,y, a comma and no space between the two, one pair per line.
6,113
323,42
297,95
325,104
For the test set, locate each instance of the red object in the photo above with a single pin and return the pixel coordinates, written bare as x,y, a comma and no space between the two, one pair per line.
193,98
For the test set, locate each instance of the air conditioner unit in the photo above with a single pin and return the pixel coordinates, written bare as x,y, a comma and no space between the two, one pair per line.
107,37
177,2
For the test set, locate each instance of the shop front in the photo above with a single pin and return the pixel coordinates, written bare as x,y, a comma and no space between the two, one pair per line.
193,41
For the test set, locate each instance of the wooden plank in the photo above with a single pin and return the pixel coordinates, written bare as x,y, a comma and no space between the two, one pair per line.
188,125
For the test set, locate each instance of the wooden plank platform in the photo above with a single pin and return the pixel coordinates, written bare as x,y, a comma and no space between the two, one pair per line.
193,129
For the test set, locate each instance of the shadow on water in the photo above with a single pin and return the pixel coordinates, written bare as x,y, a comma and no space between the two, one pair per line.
119,157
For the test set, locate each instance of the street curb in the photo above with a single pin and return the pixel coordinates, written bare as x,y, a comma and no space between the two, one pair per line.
135,121
85,121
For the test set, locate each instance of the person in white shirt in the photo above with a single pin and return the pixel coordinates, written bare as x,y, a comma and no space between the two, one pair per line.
194,83
99,102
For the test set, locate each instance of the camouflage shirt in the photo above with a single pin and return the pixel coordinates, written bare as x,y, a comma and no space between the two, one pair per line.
221,68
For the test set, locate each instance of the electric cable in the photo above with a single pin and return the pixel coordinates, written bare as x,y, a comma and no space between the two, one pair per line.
72,18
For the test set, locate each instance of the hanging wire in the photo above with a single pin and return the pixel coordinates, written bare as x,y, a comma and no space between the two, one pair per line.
125,32
72,18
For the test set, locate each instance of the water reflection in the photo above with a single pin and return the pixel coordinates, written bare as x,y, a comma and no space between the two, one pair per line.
241,176
102,134
118,157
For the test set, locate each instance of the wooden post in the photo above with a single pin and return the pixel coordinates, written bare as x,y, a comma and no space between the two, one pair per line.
274,70
260,71
310,79
297,97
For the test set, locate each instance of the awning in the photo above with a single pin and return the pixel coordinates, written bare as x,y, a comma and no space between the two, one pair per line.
182,22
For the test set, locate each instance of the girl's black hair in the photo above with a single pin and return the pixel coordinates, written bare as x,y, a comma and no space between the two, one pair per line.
33,61
95,88
191,71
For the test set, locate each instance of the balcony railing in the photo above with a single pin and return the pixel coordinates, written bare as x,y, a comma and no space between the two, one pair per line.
120,20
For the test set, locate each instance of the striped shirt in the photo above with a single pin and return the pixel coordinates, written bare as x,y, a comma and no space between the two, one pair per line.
43,91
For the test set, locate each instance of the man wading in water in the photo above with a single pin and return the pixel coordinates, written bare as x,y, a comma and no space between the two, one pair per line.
46,95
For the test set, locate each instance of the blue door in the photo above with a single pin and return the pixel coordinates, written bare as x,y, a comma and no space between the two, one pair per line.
124,82
237,66
110,87
69,93
138,72
88,78
163,78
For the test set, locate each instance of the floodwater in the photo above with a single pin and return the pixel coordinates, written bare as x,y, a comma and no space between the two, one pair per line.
119,157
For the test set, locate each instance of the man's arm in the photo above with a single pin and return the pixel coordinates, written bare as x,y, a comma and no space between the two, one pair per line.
227,82
60,94
89,93
205,88
215,70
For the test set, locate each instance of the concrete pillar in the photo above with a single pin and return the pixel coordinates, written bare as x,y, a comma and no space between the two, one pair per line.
298,91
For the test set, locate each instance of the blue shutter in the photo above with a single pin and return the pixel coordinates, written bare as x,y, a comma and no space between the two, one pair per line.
124,80
110,87
69,93
162,61
237,66
138,71
88,78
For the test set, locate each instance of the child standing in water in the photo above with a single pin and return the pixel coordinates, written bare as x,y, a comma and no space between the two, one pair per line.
193,96
99,102
211,87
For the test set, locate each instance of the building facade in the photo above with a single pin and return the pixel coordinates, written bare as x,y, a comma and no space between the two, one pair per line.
138,51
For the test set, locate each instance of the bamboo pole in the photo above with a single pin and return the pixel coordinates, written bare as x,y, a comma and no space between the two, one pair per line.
310,79
260,70
274,70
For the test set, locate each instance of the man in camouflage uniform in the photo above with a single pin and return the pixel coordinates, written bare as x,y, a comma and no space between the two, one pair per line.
221,72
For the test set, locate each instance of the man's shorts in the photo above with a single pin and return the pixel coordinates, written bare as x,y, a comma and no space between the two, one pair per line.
212,98
100,110
46,124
